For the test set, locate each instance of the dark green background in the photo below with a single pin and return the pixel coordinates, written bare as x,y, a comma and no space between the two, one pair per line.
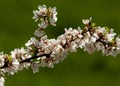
78,69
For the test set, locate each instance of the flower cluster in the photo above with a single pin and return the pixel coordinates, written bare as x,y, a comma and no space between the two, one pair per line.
40,51
47,16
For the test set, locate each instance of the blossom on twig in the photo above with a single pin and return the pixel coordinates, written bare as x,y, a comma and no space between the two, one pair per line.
40,51
47,16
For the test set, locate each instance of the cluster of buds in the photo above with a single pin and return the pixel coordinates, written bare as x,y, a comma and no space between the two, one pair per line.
40,51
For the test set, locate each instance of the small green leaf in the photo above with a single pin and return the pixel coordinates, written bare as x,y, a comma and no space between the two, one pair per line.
9,58
93,24
107,29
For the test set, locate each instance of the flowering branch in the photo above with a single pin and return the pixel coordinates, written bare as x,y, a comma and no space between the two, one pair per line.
41,51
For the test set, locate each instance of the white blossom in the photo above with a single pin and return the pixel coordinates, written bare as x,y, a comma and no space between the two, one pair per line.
87,21
2,80
2,59
117,40
96,35
35,67
53,16
32,42
90,48
110,36
58,49
39,32
42,11
14,67
61,39
99,46
47,61
101,30
43,24
46,15
24,65
93,39
17,53
74,47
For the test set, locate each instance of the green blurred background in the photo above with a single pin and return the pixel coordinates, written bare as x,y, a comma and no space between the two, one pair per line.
78,69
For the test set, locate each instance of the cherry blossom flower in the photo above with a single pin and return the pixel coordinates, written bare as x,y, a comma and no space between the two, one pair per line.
2,80
40,51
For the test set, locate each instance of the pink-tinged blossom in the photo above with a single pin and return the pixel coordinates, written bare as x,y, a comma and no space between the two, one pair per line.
47,16
40,51
90,47
42,11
